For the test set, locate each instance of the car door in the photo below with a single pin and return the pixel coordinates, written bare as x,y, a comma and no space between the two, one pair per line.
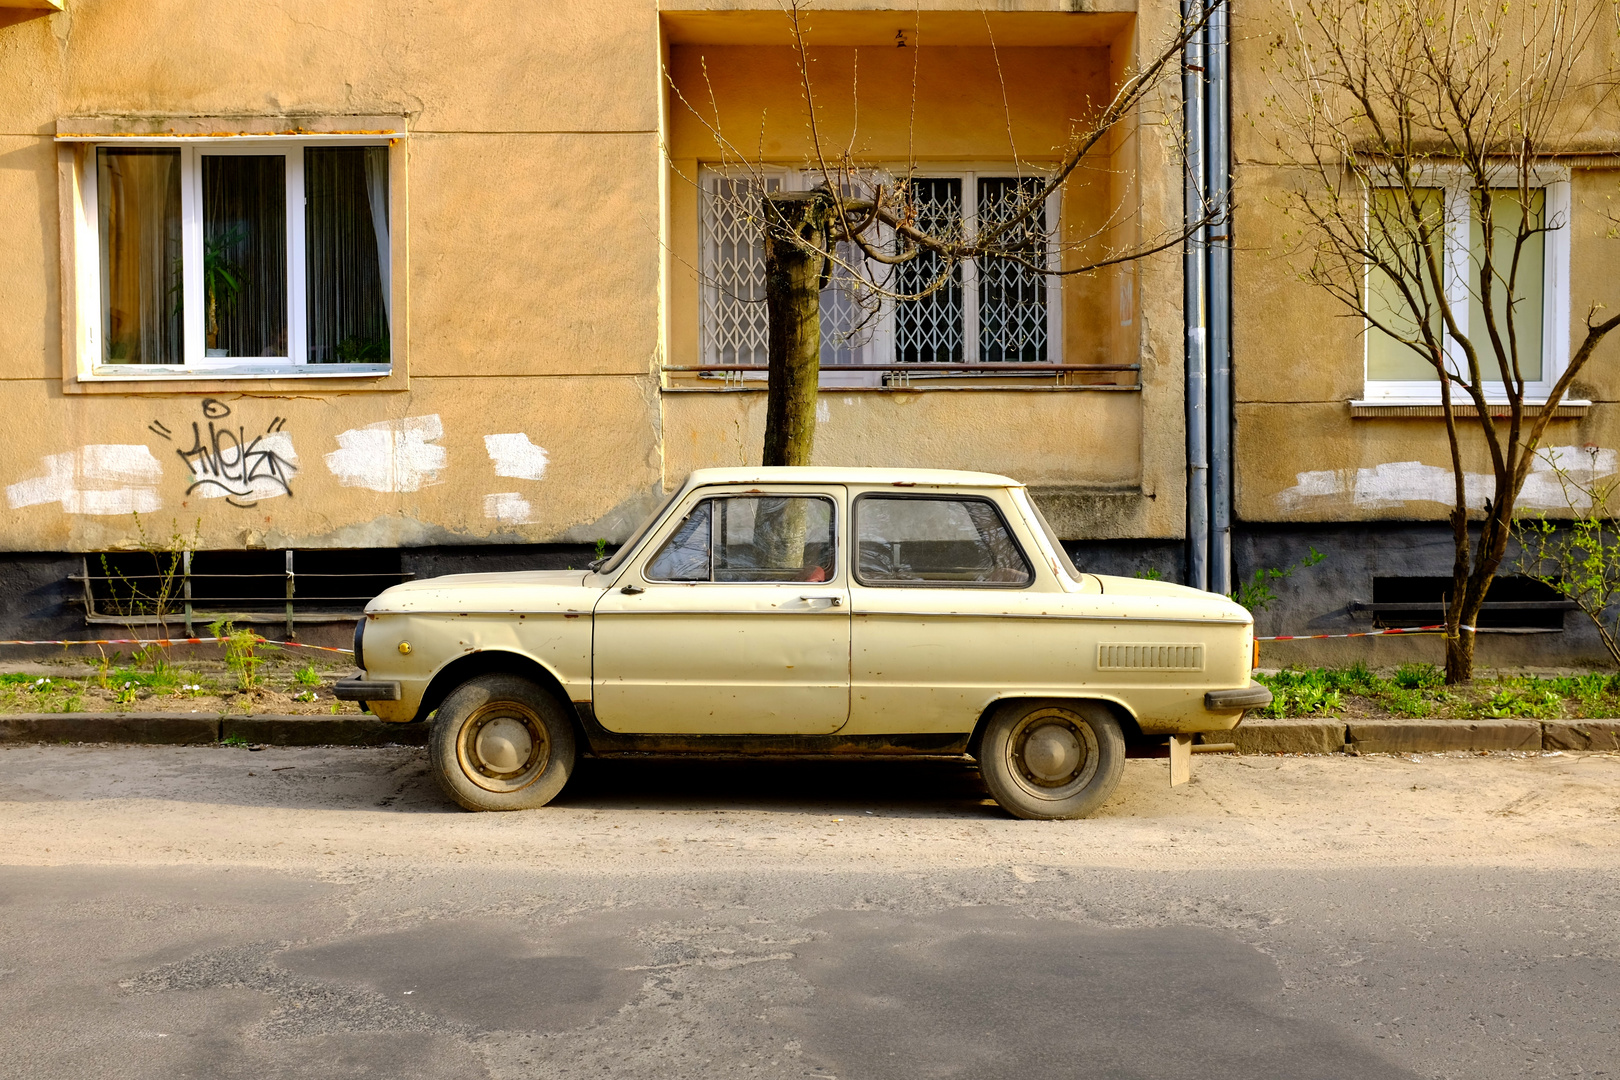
939,583
734,621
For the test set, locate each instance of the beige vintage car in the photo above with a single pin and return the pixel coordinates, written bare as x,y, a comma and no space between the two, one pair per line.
811,611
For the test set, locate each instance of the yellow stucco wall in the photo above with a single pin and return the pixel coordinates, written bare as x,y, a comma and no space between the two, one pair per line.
1298,354
542,289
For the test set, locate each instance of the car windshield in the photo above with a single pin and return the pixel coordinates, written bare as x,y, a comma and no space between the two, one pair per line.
613,562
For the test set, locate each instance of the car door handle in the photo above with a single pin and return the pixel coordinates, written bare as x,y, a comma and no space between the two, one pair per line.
632,590
835,601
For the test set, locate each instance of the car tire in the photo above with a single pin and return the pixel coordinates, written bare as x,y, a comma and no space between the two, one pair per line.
499,742
1046,760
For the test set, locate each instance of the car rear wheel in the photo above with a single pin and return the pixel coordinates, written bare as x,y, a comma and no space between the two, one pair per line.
499,742
1049,759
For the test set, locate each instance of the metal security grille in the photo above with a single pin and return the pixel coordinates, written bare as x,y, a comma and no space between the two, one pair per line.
930,330
734,324
1131,655
1012,297
193,588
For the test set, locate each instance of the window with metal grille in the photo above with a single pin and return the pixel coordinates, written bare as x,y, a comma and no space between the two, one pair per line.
990,311
193,588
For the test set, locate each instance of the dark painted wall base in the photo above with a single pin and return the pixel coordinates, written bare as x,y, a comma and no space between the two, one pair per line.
37,601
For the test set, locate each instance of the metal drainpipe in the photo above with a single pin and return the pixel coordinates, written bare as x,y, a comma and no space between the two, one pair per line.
1194,312
1218,173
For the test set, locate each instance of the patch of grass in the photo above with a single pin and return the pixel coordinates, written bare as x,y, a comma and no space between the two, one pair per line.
234,740
1419,677
1302,693
1418,691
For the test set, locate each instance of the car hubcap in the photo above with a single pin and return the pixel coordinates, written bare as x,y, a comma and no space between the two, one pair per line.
1054,753
503,746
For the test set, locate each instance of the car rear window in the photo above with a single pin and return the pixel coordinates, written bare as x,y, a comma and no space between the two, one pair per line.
941,541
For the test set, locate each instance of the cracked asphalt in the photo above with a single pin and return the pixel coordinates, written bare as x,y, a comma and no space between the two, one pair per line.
220,912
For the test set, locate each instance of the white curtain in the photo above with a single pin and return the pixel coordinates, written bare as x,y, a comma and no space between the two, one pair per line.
377,196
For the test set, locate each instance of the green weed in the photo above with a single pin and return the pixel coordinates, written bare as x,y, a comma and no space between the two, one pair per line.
307,676
241,654
1419,677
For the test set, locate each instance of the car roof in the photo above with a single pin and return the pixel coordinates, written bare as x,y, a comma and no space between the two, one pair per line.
815,474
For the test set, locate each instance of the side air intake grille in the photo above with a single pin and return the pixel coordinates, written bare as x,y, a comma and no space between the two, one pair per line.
1133,655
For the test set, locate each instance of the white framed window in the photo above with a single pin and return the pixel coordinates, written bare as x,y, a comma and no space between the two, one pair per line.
1394,373
995,313
235,258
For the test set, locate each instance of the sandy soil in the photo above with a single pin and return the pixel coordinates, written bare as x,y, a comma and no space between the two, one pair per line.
346,812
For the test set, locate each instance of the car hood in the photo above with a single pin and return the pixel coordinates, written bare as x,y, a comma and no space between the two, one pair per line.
523,590
1168,595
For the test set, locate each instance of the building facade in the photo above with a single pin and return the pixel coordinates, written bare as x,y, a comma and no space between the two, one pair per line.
327,294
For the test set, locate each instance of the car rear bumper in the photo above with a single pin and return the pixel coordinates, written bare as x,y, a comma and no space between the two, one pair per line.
1253,696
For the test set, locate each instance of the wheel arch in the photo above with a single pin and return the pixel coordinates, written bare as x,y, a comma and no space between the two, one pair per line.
493,662
1121,713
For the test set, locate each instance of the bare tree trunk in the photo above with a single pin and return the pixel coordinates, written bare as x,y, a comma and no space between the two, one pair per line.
795,270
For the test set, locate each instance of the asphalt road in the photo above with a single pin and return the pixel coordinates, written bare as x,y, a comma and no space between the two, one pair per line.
172,912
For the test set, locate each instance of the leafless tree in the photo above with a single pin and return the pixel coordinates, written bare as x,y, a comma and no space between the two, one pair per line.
863,224
1410,122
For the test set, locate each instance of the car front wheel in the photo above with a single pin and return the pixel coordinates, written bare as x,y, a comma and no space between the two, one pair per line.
1047,759
500,742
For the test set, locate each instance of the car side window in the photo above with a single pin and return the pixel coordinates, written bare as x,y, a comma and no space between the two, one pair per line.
910,540
739,538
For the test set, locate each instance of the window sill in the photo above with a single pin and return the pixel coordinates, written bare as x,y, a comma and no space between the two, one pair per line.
1427,408
156,373
907,378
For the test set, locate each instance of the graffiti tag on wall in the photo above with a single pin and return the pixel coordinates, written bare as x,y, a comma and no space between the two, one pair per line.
226,463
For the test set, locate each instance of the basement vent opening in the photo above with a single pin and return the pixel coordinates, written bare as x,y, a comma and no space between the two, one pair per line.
191,589
1514,605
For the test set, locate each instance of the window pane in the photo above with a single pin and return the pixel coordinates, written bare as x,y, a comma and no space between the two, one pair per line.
936,542
1394,229
773,538
245,254
931,330
685,555
1529,290
347,261
138,197
734,328
1012,297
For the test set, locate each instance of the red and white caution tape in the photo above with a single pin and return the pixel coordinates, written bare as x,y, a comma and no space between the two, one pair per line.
180,641
1440,629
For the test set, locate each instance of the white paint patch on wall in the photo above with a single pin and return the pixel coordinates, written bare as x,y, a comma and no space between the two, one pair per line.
109,478
515,455
1396,483
508,508
390,455
823,413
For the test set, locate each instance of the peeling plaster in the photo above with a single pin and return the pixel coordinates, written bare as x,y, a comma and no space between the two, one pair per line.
391,455
1396,483
515,455
509,508
110,478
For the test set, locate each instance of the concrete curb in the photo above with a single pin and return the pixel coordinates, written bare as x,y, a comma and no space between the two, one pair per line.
1289,736
1284,736
1431,736
192,729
